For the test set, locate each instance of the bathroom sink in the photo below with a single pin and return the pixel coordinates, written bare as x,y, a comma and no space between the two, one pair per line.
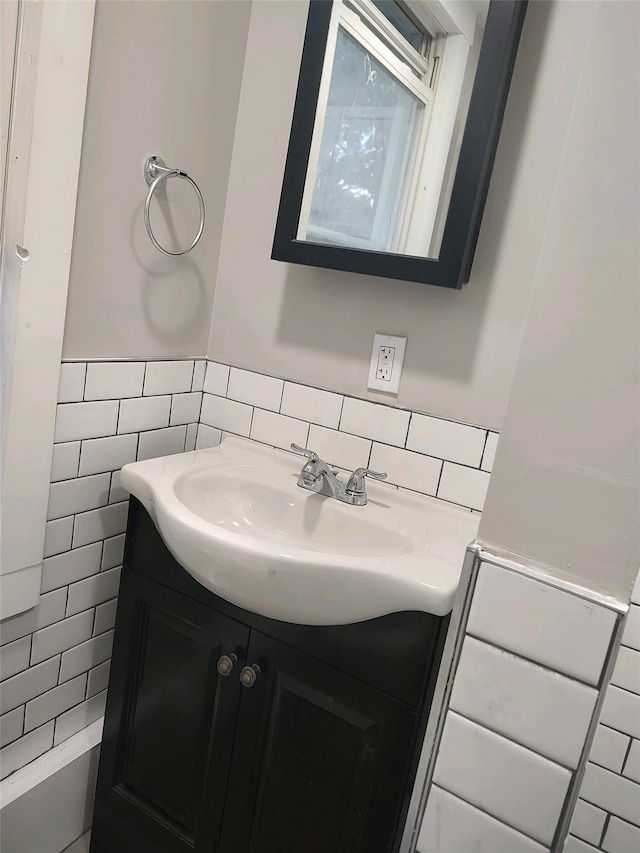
234,517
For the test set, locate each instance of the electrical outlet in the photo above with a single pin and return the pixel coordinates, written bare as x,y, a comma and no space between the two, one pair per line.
386,363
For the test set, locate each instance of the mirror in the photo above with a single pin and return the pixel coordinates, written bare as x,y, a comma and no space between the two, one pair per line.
394,133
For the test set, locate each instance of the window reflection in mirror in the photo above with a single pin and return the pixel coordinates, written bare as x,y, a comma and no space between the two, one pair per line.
394,94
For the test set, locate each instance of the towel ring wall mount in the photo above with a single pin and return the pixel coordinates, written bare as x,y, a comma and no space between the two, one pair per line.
156,173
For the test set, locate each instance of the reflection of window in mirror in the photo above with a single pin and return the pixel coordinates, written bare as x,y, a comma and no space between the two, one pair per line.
393,98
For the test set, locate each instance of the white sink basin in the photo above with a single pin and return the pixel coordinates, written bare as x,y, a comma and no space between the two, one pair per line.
237,521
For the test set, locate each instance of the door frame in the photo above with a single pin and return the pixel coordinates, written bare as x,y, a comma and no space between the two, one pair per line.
38,203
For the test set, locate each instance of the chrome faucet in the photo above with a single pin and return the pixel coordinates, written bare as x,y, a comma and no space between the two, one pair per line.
317,476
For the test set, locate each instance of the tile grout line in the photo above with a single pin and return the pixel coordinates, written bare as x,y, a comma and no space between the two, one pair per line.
613,773
574,832
533,661
573,793
439,477
346,394
493,817
484,449
138,433
444,683
614,729
510,739
283,379
624,690
144,378
534,574
605,827
309,424
406,438
383,443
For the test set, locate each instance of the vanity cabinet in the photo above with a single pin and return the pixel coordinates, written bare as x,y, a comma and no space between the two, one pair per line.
229,732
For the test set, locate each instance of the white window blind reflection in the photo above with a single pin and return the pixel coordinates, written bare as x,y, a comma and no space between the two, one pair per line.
366,155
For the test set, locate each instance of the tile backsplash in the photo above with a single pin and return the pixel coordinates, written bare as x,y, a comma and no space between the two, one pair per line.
55,657
527,691
530,670
607,815
441,458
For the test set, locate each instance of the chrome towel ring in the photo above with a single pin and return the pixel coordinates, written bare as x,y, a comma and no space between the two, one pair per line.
155,173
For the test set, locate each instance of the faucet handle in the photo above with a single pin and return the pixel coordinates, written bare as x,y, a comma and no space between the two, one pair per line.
311,455
355,484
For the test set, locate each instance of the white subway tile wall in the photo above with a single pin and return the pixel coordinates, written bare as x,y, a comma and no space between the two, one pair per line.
255,389
168,377
66,458
192,435
58,535
532,663
632,764
25,749
611,785
523,637
114,380
502,778
486,672
207,437
375,421
447,440
588,822
11,725
575,845
72,379
609,749
627,670
440,458
278,430
185,408
216,379
452,825
162,442
312,405
537,621
524,699
98,679
489,451
15,657
143,413
86,420
55,658
105,617
228,415
50,609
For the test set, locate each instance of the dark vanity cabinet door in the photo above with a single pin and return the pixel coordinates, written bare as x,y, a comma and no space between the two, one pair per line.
306,758
169,723
315,753
319,759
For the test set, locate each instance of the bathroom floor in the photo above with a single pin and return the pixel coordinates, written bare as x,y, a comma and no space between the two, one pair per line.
81,845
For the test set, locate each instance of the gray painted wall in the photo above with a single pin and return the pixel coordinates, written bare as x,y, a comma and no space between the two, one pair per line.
317,326
565,487
165,79
558,212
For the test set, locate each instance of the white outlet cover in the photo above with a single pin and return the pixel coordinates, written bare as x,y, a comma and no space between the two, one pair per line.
392,385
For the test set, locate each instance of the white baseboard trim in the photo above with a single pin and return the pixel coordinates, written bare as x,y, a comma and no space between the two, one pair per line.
46,805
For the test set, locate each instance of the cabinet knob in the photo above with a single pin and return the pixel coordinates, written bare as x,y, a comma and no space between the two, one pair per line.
249,675
226,664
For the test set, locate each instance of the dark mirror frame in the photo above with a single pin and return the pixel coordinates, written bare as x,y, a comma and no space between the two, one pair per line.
452,267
